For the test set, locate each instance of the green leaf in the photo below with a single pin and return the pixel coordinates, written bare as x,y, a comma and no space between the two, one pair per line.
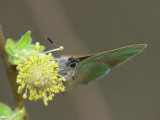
5,110
19,115
30,47
11,43
10,47
24,41
16,44
9,50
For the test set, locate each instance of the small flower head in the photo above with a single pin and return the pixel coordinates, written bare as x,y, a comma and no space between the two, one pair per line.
39,76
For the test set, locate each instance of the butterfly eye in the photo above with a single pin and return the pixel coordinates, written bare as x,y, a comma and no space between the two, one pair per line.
72,62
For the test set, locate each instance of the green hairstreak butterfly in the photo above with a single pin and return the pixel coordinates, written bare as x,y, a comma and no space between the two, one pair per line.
91,67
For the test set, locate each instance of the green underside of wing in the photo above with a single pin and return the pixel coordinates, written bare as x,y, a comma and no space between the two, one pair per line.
97,65
89,72
114,57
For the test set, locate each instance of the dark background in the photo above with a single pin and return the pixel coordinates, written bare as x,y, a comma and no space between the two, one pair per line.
129,92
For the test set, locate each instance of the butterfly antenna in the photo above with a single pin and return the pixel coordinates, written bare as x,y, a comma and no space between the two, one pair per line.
51,41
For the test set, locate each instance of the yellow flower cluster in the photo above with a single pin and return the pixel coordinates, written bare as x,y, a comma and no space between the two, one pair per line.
38,75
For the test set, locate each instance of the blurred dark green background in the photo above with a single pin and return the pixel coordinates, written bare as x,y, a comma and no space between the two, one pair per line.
129,92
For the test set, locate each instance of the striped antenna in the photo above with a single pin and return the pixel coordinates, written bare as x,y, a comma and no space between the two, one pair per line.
57,45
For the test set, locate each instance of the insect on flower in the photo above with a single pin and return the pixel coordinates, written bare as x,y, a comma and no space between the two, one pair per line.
42,75
91,67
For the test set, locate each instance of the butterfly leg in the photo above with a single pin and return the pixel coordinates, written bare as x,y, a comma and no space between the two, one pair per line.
65,75
74,71
68,73
64,69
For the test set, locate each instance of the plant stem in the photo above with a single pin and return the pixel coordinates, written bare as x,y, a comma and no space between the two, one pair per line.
11,73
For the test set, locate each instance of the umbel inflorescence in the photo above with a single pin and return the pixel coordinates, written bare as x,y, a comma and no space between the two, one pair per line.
39,76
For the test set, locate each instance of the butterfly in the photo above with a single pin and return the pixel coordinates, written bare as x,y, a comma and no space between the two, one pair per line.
95,66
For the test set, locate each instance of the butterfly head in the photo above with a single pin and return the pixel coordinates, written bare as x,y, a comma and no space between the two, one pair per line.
72,62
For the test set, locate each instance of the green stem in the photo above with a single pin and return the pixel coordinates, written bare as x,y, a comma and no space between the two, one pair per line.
11,72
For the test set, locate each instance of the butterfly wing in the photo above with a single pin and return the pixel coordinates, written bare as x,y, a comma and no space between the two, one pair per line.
89,72
92,67
116,56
